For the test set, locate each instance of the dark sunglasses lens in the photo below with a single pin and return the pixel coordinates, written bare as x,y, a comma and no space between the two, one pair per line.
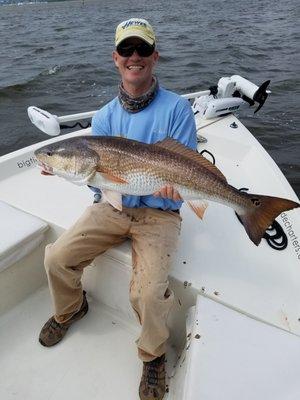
125,51
143,50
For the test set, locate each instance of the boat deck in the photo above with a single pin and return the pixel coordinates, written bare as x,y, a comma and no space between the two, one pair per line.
258,281
228,355
80,367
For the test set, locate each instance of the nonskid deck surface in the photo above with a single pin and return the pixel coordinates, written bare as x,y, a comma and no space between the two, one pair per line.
96,360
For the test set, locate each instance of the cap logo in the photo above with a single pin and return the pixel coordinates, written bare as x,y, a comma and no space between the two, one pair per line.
135,22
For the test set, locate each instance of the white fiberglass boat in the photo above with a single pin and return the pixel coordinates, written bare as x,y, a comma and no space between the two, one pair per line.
235,325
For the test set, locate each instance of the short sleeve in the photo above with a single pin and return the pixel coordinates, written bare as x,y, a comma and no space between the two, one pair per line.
184,127
100,123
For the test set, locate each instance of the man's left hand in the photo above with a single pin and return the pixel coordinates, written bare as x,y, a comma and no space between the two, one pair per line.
168,192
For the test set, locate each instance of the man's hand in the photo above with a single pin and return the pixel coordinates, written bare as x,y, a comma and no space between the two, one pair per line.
168,192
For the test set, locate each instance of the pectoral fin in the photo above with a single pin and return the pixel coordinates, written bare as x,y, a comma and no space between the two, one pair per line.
198,206
113,198
110,177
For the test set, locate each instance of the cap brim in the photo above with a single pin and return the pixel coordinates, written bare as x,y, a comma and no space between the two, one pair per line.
138,34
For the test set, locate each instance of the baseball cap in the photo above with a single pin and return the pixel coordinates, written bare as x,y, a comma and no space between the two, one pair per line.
135,27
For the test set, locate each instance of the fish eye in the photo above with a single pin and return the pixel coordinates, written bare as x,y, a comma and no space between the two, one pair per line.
49,153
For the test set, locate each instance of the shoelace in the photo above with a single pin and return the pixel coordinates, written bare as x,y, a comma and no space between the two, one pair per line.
54,324
152,375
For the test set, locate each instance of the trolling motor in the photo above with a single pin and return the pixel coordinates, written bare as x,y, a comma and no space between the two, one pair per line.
52,124
230,95
43,120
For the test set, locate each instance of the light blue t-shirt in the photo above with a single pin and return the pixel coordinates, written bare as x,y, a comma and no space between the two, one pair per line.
168,115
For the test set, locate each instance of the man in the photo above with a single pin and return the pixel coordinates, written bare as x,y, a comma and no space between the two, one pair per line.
142,111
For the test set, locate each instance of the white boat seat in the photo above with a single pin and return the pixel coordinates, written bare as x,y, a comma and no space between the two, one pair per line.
232,356
20,234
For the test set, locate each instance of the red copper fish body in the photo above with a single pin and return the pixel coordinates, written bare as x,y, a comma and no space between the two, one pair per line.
124,166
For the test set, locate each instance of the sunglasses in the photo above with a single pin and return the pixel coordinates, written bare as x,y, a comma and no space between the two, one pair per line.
143,49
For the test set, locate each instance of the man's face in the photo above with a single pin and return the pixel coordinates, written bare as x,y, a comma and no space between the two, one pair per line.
136,71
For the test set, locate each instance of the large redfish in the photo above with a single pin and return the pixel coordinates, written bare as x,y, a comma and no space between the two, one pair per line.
123,166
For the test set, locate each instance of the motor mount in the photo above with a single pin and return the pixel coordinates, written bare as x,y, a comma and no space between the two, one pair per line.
230,95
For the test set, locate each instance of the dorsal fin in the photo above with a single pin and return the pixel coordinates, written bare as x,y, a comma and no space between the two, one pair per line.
178,148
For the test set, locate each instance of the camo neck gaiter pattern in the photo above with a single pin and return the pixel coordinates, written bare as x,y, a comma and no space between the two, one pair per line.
136,104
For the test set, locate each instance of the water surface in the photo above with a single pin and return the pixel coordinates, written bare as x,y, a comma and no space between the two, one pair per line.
57,56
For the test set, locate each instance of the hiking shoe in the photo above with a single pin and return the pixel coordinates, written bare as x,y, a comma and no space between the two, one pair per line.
153,382
53,332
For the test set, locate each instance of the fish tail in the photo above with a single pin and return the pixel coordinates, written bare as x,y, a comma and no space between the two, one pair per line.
261,212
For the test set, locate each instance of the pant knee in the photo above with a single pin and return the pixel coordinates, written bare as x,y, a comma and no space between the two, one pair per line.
54,258
151,293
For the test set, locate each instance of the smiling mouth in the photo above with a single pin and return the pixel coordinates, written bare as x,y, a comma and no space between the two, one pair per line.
135,67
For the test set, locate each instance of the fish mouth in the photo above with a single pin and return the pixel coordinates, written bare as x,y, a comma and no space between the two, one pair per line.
77,179
46,169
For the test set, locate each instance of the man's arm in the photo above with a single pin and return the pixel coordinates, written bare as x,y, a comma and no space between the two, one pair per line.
184,126
100,125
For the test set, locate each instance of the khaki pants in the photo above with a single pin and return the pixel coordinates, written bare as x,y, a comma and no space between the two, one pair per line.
154,235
